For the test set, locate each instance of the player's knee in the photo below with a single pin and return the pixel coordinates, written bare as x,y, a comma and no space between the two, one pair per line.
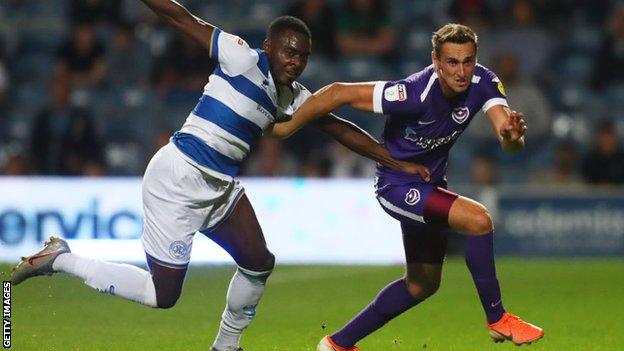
166,303
267,263
423,290
260,263
481,222
166,299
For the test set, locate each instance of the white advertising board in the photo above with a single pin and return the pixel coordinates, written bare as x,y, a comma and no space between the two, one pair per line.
304,221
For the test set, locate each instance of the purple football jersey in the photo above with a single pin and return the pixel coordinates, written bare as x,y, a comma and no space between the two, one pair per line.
423,125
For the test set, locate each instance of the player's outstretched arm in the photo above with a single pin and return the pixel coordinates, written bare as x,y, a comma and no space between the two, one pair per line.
509,127
180,18
359,141
325,100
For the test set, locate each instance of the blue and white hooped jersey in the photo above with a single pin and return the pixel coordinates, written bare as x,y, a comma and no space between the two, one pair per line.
239,102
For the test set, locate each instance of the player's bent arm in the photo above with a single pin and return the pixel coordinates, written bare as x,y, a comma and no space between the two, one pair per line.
509,127
359,141
180,18
325,100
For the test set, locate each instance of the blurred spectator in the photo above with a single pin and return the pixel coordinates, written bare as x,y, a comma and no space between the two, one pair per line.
129,60
565,170
16,165
364,28
94,11
315,167
81,57
4,84
270,160
483,170
64,139
522,95
531,44
320,19
604,164
563,12
347,164
609,61
183,71
473,13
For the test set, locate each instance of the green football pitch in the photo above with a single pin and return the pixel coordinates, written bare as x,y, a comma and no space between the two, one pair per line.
579,303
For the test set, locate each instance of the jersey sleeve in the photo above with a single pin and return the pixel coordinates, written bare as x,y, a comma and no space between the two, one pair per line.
233,53
299,95
492,91
395,97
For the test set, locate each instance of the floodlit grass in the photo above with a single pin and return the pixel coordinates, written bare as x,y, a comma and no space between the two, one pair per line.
577,302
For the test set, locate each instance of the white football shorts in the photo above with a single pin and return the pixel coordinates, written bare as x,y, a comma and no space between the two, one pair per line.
179,200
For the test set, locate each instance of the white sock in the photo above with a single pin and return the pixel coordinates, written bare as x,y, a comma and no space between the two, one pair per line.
129,282
246,289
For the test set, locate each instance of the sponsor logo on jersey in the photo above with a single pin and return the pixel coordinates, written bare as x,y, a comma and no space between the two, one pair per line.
460,114
240,42
397,92
412,197
429,143
266,113
179,249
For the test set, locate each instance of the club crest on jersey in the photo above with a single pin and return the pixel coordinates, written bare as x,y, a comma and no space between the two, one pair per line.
412,197
460,114
397,92
179,249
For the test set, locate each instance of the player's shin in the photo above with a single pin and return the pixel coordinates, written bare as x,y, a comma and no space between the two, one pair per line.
480,262
129,282
246,289
391,301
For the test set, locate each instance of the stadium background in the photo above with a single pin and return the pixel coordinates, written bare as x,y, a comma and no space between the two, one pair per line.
88,123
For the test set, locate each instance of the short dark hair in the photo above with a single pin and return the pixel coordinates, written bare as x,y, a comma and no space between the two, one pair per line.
283,23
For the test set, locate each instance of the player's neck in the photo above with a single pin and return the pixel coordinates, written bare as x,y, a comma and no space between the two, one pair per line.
447,92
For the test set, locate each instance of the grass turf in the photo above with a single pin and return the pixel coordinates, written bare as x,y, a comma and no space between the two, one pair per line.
577,302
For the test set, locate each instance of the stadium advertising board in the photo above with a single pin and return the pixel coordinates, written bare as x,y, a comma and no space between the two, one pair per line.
304,221
569,224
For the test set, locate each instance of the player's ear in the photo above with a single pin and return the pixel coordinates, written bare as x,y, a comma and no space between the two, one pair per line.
434,59
266,45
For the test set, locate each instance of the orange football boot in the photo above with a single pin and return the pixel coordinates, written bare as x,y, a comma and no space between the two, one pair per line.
511,327
328,344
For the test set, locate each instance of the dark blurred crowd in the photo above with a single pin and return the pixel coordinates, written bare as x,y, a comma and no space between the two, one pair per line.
95,87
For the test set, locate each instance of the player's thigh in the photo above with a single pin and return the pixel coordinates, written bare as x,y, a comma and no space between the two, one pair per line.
424,243
241,236
469,217
168,211
416,203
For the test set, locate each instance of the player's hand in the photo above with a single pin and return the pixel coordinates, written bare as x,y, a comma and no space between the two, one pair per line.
415,168
514,127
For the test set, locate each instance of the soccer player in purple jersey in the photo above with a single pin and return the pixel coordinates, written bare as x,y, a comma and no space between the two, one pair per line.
427,112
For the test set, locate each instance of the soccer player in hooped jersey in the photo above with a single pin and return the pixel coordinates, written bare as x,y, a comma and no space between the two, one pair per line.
190,185
427,112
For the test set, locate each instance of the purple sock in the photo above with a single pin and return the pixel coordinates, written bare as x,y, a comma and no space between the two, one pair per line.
480,262
391,301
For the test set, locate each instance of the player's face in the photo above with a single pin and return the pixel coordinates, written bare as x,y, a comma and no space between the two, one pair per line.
455,66
288,55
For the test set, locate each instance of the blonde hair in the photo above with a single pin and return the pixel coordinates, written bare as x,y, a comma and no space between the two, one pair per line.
453,33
